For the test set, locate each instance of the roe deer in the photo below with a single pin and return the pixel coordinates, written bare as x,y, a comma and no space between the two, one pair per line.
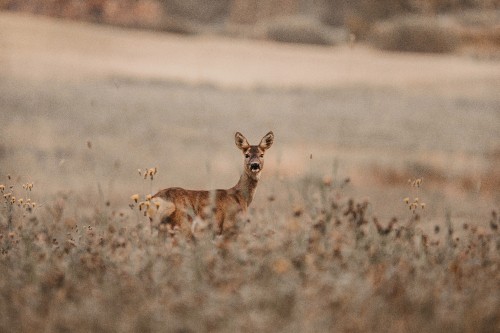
180,208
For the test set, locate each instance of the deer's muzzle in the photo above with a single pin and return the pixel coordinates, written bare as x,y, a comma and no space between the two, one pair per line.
255,167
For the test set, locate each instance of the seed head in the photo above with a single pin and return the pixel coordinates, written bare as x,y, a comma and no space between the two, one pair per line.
327,180
150,212
298,210
281,265
28,186
144,204
135,197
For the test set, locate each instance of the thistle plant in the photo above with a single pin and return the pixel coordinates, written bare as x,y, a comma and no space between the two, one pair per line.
414,204
145,206
13,204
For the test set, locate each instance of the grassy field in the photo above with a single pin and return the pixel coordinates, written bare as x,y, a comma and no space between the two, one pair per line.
330,243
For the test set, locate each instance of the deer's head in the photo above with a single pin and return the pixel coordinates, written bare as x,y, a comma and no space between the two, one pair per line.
254,155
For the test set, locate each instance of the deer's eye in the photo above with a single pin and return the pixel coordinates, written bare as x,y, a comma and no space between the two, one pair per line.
261,155
247,155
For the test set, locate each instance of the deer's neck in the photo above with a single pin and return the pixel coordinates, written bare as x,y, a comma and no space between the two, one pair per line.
246,187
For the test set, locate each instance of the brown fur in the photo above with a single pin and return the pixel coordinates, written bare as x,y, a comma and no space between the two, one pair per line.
179,208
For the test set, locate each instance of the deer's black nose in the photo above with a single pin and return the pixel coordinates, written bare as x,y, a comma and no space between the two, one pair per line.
254,166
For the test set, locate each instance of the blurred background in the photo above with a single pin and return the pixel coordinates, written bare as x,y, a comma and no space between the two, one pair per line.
374,91
407,25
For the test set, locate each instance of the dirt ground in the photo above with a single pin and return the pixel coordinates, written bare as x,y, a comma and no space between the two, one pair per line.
84,106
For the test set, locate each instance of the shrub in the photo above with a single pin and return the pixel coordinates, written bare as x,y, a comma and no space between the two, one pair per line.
197,10
298,29
414,34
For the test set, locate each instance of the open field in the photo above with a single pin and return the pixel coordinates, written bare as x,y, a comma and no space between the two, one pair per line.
82,107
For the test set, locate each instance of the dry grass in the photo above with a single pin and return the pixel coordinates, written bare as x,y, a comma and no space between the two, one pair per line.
322,267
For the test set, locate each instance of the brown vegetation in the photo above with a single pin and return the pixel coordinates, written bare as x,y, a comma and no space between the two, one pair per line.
416,34
301,30
325,269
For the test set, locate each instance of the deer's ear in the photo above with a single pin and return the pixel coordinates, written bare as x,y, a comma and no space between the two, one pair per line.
266,141
241,141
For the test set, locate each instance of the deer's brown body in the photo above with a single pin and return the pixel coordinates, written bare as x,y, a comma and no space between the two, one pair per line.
179,207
